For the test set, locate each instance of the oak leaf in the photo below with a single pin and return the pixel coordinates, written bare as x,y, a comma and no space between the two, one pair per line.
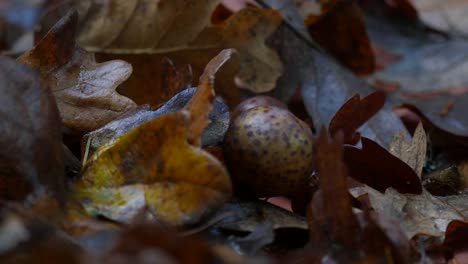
84,90
418,213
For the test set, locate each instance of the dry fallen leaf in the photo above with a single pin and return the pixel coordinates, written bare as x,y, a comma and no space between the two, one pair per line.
376,167
414,153
173,80
337,233
342,33
355,113
430,76
84,90
154,167
325,86
153,163
142,36
418,213
201,103
31,156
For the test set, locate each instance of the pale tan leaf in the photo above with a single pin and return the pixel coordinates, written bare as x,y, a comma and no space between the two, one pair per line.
413,153
417,213
84,90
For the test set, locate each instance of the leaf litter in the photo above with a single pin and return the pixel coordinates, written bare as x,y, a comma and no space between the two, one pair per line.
153,186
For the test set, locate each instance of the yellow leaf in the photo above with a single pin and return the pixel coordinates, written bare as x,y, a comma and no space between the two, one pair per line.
153,167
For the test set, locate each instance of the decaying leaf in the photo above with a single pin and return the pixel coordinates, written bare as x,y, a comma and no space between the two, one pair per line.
154,167
201,103
31,157
84,90
414,153
354,113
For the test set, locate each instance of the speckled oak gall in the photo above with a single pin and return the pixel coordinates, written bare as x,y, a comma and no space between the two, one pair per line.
269,150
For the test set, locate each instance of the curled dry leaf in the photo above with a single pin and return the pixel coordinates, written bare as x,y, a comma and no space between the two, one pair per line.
84,90
354,113
154,167
201,103
31,156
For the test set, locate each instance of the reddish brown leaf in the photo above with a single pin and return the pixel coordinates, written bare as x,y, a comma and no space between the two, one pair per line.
456,236
220,14
199,107
331,211
31,155
376,167
172,80
337,233
354,113
404,7
342,33
201,103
